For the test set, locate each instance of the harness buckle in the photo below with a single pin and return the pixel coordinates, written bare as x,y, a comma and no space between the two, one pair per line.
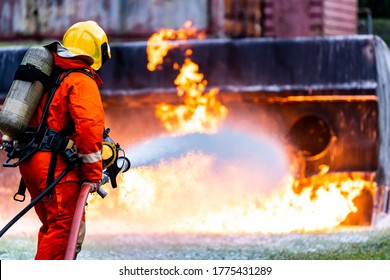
19,197
51,141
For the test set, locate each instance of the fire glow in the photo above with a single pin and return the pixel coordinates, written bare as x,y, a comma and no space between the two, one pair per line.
198,193
161,42
201,111
281,212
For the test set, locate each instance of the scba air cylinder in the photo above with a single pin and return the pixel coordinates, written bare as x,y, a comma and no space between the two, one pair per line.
25,92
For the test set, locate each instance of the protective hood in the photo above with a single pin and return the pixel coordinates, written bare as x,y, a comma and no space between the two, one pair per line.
65,59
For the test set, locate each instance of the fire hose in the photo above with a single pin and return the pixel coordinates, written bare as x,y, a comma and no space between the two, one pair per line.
78,216
47,190
79,211
113,165
76,222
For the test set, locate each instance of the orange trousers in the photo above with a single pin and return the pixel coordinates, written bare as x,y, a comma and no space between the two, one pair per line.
55,211
56,215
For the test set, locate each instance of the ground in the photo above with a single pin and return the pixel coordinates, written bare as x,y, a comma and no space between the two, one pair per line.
344,244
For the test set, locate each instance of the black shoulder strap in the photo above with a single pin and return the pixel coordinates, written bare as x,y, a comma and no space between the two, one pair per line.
64,130
58,80
68,128
21,193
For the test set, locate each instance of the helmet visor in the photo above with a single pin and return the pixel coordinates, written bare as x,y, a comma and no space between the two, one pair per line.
106,55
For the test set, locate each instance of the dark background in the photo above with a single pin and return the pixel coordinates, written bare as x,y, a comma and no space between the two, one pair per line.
379,8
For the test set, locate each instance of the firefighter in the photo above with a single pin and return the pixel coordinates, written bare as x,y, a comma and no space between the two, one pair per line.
76,111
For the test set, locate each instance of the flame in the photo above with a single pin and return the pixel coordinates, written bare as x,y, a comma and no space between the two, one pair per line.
201,111
197,193
188,195
161,42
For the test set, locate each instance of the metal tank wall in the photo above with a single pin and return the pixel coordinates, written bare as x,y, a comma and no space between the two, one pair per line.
291,18
327,98
329,85
134,19
333,79
42,19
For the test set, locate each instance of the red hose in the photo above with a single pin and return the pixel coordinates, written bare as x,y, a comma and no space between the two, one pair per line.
77,218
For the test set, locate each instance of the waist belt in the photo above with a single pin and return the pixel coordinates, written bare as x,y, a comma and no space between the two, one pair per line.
49,141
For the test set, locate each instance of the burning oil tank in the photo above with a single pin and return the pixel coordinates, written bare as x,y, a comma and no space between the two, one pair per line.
326,97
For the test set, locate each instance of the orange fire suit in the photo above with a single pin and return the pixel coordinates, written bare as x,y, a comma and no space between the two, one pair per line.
77,99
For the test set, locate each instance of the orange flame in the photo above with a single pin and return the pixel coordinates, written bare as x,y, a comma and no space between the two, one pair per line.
161,42
201,111
186,195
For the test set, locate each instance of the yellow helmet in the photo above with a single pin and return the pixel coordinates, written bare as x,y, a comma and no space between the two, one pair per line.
88,38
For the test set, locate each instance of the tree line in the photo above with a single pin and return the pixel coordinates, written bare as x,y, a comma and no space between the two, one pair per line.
379,8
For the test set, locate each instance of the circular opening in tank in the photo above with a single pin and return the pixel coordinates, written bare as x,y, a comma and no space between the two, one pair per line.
310,134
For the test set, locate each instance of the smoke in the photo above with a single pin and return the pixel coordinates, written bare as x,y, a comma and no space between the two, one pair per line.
262,155
256,155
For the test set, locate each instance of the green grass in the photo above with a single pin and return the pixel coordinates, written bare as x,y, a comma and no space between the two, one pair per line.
367,244
19,43
18,247
382,28
376,248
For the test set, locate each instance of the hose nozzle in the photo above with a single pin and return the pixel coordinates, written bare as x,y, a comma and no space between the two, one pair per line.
101,192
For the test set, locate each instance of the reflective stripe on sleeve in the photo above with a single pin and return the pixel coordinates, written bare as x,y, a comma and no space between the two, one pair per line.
91,158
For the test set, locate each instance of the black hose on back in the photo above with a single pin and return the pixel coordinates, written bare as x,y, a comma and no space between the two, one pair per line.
34,202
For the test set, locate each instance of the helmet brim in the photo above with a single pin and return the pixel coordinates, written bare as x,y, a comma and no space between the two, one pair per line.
64,52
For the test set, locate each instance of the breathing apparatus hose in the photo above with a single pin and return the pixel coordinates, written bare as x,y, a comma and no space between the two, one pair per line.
47,190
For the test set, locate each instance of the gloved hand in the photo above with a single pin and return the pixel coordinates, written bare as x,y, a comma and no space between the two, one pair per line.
94,186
